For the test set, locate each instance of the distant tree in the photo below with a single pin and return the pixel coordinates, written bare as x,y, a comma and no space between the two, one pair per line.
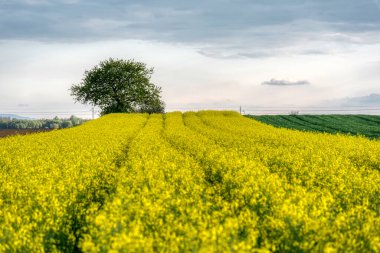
66,124
75,120
119,86
54,126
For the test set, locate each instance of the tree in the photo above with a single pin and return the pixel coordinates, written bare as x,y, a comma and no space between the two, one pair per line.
119,86
75,120
66,124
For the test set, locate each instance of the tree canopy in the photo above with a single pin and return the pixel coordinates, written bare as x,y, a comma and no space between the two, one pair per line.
119,86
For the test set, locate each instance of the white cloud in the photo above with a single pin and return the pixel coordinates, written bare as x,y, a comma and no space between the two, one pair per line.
277,82
40,74
204,52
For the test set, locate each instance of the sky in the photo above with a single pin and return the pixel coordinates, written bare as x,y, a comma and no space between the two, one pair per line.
206,54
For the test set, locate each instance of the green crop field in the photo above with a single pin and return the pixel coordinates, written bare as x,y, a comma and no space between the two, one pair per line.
188,182
365,125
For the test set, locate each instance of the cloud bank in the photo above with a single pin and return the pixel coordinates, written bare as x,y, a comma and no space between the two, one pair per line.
204,52
220,29
370,100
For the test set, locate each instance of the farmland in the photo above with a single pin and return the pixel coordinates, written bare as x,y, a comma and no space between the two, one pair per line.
188,182
365,125
10,132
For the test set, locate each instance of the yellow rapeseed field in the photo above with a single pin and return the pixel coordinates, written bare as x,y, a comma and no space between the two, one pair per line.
188,182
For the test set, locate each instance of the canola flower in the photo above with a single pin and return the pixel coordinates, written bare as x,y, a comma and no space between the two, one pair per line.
50,181
194,182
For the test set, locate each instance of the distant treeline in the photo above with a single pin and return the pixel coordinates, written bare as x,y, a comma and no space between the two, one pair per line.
56,123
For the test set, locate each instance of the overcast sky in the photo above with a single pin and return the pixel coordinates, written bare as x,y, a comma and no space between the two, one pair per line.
271,53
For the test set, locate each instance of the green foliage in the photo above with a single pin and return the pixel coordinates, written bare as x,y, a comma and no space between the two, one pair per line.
366,125
119,86
66,124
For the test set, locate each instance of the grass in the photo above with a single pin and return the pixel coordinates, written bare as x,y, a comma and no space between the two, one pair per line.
365,125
